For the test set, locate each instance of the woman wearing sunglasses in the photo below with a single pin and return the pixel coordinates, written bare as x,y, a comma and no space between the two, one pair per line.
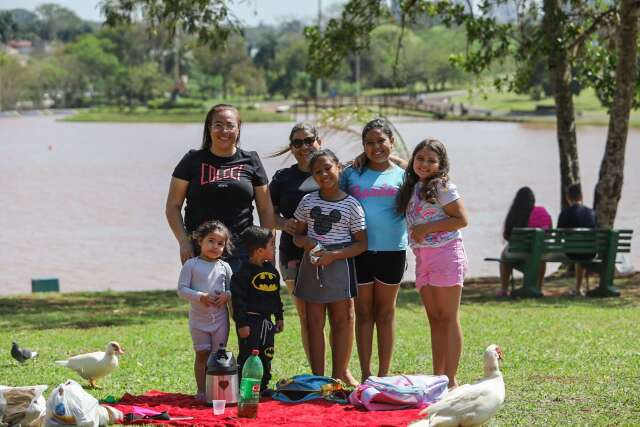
287,188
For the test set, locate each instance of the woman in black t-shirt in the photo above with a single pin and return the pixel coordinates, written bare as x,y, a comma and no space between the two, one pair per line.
287,188
219,182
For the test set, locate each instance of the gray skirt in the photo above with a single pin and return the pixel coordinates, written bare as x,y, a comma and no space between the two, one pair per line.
322,285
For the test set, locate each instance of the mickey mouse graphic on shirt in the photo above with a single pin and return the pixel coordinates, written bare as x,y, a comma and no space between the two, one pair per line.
322,223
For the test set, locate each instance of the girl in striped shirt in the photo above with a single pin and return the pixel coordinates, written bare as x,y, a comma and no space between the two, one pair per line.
331,228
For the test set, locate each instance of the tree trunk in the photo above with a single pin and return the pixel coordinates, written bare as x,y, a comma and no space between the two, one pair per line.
609,186
560,68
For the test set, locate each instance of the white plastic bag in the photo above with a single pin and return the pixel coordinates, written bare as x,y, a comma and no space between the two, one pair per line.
24,406
3,407
36,412
623,264
69,404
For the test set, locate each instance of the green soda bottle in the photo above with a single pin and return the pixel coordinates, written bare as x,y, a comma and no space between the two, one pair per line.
250,386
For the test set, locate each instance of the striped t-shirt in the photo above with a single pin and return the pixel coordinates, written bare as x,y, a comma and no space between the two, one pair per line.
330,222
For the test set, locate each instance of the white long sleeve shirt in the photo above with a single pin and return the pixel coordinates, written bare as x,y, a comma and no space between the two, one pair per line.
199,277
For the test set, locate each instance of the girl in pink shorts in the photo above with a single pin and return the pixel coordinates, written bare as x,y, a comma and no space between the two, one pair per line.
435,214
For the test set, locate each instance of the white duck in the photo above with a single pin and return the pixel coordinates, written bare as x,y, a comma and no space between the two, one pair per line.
470,404
92,366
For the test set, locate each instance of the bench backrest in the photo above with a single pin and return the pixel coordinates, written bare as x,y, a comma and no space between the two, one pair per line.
587,240
522,239
570,240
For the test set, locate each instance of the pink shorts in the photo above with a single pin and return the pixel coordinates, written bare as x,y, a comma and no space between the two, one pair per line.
442,266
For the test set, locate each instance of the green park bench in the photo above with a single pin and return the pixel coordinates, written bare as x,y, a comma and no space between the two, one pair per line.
534,245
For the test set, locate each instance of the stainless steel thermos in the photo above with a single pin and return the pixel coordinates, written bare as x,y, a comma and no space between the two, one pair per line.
222,377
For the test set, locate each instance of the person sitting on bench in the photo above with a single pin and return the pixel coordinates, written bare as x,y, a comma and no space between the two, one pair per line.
522,213
577,215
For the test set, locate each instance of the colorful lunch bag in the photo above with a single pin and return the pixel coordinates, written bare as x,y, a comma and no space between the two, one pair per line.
302,388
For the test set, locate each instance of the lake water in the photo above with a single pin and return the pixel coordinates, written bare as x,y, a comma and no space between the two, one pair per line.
84,202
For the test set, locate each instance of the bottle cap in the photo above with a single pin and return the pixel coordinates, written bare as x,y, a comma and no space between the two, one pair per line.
255,352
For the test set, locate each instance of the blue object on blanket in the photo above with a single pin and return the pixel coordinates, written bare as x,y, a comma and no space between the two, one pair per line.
302,388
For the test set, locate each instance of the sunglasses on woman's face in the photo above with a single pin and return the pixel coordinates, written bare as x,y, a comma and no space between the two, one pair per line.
297,143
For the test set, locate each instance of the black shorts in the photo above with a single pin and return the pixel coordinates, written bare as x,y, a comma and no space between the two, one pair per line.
581,257
386,267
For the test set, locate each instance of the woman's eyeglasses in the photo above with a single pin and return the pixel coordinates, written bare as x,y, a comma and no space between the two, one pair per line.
297,143
224,126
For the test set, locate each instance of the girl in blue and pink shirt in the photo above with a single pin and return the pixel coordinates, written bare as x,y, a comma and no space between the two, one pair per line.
435,214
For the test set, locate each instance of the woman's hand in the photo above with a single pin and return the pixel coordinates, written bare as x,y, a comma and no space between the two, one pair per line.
419,232
359,162
186,250
399,161
244,332
290,225
279,326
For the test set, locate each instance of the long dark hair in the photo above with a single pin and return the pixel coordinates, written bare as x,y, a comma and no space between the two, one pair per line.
429,190
206,136
519,212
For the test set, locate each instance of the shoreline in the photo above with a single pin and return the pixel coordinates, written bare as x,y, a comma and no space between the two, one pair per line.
554,285
258,116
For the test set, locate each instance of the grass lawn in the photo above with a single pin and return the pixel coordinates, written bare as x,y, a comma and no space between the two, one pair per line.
507,101
588,108
140,115
567,361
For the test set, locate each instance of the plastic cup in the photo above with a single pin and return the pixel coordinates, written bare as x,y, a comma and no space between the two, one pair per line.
218,406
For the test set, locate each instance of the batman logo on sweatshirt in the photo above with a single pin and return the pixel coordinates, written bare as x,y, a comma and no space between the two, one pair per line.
265,281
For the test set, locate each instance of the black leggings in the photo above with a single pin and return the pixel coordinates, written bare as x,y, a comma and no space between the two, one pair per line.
261,337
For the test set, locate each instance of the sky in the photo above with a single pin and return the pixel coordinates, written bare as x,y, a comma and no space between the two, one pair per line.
252,12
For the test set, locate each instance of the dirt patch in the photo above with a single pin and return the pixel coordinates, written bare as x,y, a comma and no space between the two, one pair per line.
555,286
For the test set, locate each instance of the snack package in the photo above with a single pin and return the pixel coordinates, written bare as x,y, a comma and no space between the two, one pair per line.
24,406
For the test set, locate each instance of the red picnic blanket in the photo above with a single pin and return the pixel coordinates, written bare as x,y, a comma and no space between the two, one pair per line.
270,413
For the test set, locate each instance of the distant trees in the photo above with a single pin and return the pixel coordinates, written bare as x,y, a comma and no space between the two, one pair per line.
59,23
282,56
135,85
288,75
50,22
423,58
18,24
232,66
11,81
